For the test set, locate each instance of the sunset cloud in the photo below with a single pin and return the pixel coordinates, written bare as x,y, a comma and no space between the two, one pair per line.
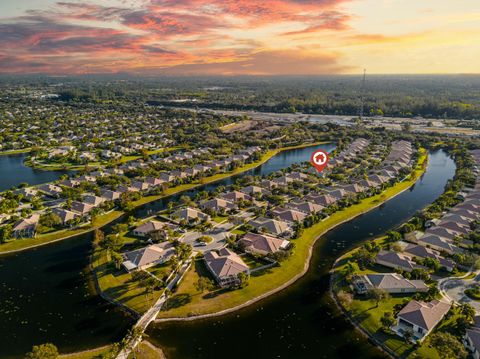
227,37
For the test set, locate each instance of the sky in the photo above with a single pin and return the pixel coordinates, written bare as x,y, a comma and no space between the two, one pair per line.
240,37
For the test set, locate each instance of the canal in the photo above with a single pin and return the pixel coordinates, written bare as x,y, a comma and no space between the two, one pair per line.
46,294
13,172
301,321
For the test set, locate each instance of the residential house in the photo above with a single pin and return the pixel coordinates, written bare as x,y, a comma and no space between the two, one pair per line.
225,266
148,256
271,226
263,244
218,205
288,215
396,260
111,195
82,208
190,215
65,215
94,201
392,283
419,318
26,228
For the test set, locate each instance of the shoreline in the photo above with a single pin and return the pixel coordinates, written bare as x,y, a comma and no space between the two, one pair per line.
293,279
182,188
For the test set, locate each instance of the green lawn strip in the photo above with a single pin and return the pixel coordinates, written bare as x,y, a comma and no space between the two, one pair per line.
88,354
220,219
15,152
146,350
289,269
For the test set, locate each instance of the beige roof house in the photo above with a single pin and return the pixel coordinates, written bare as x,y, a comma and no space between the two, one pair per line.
225,266
190,214
26,227
390,282
420,318
263,244
270,225
148,256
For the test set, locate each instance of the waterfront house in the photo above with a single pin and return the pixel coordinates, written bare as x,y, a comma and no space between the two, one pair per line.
439,243
65,215
289,216
422,252
225,266
396,260
271,226
304,206
263,244
392,283
148,256
148,228
26,228
419,318
82,208
27,192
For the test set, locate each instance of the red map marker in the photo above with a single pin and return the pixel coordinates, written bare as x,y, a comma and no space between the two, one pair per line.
319,160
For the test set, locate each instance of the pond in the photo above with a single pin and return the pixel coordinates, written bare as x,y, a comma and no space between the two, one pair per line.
13,172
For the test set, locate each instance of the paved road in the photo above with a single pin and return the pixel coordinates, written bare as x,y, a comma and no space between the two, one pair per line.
219,233
453,289
152,313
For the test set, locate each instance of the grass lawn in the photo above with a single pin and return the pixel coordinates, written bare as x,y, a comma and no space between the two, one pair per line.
289,269
220,219
120,286
161,271
15,152
145,350
88,354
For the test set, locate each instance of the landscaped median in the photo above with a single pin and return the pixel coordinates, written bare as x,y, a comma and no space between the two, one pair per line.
198,305
102,220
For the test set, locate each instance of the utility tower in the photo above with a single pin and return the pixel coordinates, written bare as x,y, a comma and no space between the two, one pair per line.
362,95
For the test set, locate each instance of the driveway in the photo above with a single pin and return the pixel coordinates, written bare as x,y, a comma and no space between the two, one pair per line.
219,233
453,289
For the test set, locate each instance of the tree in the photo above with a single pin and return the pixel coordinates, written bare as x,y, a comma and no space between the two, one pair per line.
387,320
5,233
468,311
448,346
203,284
117,259
50,220
243,279
378,295
43,351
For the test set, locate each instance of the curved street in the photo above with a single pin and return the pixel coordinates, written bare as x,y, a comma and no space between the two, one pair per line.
453,289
